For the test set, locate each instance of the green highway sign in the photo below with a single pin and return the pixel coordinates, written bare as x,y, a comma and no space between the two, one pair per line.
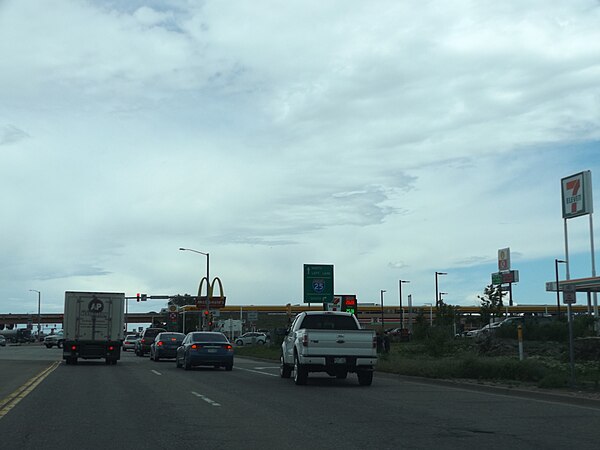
318,283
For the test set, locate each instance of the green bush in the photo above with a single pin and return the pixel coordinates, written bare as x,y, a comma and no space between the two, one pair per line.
553,380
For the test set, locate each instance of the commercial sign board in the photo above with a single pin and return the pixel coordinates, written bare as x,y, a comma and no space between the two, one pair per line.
504,259
512,276
577,195
318,283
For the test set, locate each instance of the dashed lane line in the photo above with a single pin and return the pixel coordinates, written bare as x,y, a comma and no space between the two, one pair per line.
20,393
156,372
206,399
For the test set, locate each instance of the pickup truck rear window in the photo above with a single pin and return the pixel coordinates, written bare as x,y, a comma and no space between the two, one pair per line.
329,323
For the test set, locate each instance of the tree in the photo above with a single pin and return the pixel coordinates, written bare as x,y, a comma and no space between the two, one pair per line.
491,303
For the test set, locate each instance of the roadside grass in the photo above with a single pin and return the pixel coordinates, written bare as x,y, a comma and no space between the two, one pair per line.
461,360
259,351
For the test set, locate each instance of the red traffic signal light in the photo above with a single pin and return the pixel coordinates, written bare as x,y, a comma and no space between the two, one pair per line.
138,296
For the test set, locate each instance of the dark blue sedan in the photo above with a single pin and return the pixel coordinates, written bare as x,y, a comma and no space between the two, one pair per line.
205,348
165,345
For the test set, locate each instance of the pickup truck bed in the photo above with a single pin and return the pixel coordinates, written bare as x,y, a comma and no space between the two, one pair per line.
330,342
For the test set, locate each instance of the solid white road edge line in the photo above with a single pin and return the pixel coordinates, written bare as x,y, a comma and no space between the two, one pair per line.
257,371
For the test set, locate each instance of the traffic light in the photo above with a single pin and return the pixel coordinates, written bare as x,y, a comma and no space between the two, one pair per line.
349,304
138,296
144,297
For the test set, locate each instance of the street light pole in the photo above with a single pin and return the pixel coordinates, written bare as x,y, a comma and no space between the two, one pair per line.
39,312
400,295
437,295
382,318
556,262
208,293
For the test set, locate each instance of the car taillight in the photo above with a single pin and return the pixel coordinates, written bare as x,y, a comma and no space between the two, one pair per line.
111,348
228,347
305,340
143,341
195,346
159,343
174,339
73,348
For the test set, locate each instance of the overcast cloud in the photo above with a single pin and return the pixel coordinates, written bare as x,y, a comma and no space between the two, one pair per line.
392,139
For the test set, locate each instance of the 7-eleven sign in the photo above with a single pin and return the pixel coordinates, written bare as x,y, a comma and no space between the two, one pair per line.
577,195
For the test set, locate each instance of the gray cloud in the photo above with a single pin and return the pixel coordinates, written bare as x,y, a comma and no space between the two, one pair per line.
9,134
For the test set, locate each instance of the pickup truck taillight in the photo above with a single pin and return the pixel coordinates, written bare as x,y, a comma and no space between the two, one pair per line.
305,340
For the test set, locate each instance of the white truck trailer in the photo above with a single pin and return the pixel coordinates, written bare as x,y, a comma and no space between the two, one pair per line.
93,326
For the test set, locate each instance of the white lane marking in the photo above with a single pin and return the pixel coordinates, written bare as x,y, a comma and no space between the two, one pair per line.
206,399
156,372
258,371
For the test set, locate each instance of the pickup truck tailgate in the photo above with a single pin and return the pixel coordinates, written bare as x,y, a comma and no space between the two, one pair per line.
358,343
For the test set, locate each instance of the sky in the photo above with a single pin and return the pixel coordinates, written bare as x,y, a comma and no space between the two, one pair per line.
391,139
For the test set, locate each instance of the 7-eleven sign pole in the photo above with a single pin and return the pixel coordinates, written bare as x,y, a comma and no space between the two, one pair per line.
577,201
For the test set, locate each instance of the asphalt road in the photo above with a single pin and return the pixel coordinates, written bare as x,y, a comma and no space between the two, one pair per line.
141,404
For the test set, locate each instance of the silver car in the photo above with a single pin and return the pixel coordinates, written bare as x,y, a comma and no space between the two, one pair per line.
129,342
252,338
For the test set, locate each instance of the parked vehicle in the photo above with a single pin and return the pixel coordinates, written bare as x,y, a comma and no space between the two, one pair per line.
129,342
165,345
330,342
142,345
55,339
93,326
2,341
252,338
16,335
205,348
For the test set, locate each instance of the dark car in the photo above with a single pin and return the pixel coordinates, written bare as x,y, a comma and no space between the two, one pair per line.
165,345
205,348
142,346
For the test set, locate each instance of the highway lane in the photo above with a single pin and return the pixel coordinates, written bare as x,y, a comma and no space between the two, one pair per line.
143,404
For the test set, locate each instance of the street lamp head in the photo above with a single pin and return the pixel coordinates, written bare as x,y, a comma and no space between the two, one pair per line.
192,250
560,261
404,281
441,273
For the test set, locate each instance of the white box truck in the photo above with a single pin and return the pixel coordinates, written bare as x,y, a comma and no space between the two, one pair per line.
93,326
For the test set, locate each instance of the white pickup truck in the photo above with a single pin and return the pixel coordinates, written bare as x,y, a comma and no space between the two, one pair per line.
332,342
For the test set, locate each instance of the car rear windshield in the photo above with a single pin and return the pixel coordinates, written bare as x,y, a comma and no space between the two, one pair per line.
152,332
209,337
329,322
131,338
172,336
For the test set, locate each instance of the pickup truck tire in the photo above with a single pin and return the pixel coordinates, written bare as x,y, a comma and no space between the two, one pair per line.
300,372
365,377
60,344
239,342
177,363
285,371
